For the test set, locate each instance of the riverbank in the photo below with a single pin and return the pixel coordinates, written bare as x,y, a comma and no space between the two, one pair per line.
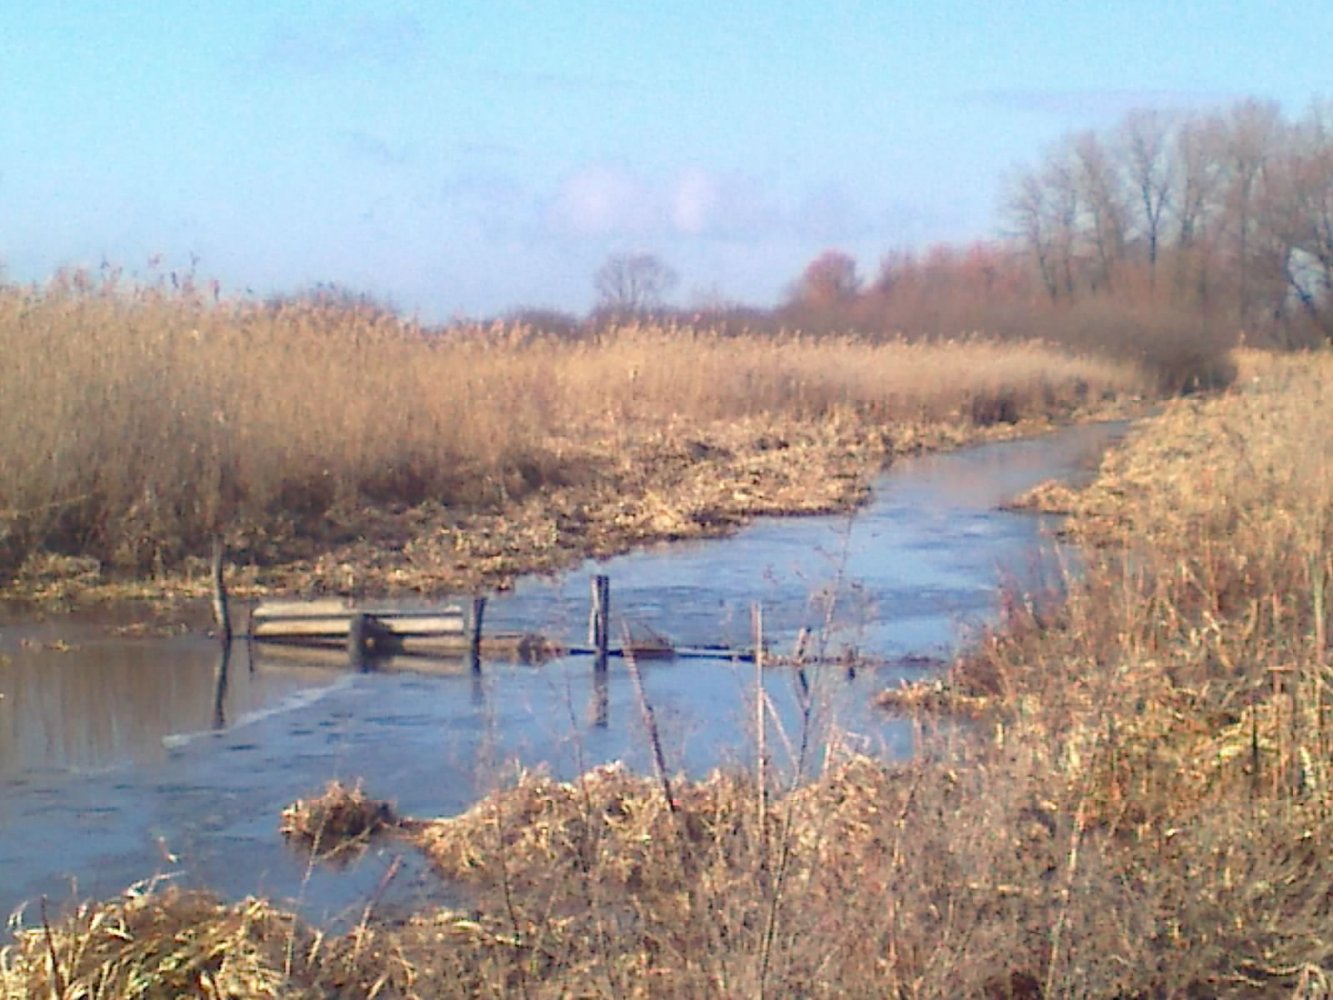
1140,811
696,482
341,452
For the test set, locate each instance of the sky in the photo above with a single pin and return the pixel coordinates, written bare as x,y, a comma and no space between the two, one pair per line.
465,159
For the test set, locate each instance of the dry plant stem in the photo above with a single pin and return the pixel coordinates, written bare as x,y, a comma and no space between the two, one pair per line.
1065,899
289,946
520,942
650,725
689,864
786,840
57,973
761,749
380,888
589,849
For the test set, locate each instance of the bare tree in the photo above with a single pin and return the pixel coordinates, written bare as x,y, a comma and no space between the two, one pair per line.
1029,214
1060,178
633,283
1237,203
1197,180
1194,204
1298,213
1249,135
1103,203
1149,171
1044,208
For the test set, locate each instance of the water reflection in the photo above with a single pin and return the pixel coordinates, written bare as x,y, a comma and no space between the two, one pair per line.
77,701
220,686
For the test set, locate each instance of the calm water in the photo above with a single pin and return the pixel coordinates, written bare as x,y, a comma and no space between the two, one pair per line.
123,758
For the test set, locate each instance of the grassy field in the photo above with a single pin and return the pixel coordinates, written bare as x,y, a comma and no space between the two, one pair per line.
1140,808
338,448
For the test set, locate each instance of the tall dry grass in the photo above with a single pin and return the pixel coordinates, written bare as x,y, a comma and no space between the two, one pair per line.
1170,718
140,422
1141,808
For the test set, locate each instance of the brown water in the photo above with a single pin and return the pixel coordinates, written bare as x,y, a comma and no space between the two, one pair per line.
122,758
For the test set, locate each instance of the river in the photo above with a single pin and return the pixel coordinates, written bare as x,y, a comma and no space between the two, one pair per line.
122,759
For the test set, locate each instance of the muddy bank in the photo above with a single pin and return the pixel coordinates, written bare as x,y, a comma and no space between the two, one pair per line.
677,484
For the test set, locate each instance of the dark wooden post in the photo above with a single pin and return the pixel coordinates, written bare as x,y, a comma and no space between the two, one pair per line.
359,636
599,624
221,609
474,649
356,638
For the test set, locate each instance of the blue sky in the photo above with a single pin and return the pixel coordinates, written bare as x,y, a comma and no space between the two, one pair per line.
464,158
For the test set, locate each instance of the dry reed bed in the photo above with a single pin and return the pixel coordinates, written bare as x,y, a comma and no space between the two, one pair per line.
149,944
1140,809
318,438
1173,710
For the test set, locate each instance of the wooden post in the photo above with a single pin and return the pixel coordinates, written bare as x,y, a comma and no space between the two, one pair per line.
221,609
599,624
358,639
474,649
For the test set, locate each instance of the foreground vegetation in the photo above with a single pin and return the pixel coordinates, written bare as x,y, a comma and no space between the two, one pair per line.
1140,809
336,447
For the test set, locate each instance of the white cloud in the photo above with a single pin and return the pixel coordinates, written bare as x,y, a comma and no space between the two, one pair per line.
602,200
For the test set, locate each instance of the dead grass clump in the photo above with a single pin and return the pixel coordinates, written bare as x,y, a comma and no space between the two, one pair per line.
154,944
726,890
933,696
1049,497
608,819
340,821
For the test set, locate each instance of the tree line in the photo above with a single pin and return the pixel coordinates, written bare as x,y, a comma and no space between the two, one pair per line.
1169,234
1223,218
1229,213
